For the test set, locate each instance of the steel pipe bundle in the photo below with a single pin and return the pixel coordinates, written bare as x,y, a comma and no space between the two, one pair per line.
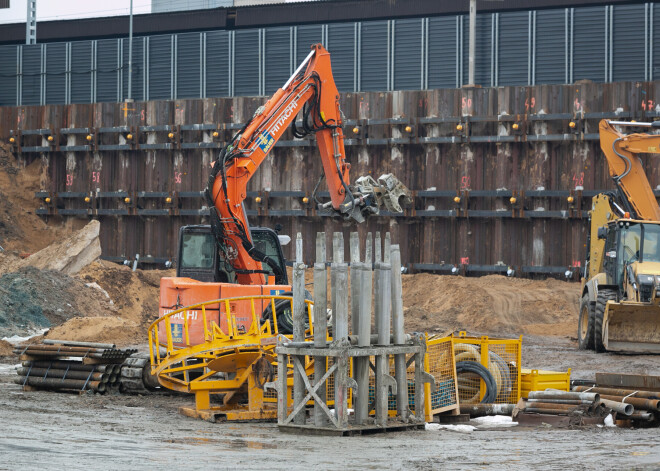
69,375
60,383
639,399
114,368
56,351
576,404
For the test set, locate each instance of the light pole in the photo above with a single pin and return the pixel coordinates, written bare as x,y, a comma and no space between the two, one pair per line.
473,40
130,55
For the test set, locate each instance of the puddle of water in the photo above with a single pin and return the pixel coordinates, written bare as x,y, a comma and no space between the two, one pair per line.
230,444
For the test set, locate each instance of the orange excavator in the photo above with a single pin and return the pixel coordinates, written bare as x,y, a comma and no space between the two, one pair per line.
231,259
231,297
620,308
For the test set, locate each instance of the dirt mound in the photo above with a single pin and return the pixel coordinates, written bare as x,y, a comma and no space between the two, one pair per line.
32,299
99,329
135,297
21,229
491,304
6,349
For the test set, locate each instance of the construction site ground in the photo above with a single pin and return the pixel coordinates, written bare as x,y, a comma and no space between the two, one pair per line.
106,302
57,431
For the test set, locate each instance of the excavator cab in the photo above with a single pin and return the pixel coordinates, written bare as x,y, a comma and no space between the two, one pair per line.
199,259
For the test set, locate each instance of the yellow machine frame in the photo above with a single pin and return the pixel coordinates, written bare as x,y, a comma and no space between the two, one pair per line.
195,368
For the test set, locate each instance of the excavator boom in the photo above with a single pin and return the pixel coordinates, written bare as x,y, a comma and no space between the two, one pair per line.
312,94
620,308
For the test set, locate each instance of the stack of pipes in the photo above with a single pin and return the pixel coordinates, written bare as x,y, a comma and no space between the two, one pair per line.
587,402
105,352
644,405
71,366
68,375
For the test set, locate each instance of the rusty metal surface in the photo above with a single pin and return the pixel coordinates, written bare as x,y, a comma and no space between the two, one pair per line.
458,234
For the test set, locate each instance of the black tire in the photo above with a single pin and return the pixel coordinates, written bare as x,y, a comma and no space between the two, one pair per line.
604,295
284,314
586,319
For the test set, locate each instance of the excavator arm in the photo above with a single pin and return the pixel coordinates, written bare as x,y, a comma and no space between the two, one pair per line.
310,92
627,170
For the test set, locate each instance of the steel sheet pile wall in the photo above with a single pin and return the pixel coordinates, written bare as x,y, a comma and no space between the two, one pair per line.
540,163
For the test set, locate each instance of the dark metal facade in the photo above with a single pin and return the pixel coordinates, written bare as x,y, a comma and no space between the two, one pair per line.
603,43
540,163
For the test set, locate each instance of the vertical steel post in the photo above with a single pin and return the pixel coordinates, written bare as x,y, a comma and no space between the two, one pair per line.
364,335
399,335
356,290
337,257
378,249
383,299
341,335
388,248
320,323
282,392
355,280
299,314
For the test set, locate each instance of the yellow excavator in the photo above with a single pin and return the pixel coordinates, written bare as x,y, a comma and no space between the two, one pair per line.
620,306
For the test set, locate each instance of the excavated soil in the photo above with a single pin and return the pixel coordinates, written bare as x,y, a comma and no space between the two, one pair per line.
491,304
5,348
135,296
21,230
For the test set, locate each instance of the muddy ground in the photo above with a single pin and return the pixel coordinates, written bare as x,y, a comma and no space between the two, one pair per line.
57,431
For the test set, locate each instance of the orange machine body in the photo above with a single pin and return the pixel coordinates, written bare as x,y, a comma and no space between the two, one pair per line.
178,292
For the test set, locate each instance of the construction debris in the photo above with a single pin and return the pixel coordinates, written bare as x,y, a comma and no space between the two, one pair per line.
69,255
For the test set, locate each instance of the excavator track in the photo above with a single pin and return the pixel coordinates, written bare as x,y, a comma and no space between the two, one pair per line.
136,377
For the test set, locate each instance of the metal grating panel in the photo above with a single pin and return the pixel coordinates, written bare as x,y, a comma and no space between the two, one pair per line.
137,83
246,62
31,74
188,66
589,44
373,56
56,73
513,48
277,58
550,46
81,72
408,54
442,41
441,364
160,67
107,70
217,63
305,37
629,42
8,57
341,45
483,52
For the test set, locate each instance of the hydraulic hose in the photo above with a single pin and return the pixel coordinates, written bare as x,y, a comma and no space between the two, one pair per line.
482,371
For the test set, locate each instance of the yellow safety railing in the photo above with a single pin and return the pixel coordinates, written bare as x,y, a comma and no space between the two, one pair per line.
213,332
